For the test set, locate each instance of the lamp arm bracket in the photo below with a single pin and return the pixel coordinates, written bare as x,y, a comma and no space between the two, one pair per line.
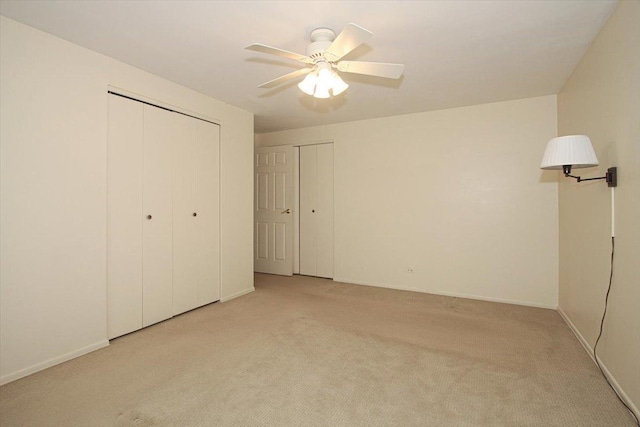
580,179
611,177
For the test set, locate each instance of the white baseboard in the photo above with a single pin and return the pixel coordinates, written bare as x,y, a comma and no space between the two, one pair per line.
237,294
51,362
607,373
448,294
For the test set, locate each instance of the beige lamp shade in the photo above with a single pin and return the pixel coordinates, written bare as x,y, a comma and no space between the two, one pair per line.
571,150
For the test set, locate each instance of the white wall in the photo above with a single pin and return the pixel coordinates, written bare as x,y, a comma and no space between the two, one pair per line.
602,99
456,195
53,193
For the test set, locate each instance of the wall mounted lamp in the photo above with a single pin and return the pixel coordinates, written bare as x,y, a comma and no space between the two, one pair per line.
574,151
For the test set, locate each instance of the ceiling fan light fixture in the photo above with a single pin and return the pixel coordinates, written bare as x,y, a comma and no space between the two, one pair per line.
320,82
324,82
339,85
321,92
308,85
325,79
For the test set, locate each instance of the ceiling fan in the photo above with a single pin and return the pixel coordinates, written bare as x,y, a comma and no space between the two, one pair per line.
323,57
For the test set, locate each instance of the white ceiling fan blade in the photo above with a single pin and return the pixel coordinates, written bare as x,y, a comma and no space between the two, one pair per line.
350,38
379,69
282,79
280,52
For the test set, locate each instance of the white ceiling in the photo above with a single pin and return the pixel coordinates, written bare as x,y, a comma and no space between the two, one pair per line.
455,53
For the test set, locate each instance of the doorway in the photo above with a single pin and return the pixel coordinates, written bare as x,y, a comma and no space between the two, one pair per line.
294,210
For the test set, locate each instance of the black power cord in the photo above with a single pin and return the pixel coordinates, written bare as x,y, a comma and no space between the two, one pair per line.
595,356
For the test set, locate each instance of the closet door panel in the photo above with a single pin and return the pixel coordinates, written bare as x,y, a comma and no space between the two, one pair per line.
324,211
159,130
208,219
308,197
185,202
124,216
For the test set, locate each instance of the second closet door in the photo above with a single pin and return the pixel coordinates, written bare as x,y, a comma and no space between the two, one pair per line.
195,215
185,224
316,210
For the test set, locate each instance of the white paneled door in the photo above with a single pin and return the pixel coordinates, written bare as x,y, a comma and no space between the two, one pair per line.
273,251
316,210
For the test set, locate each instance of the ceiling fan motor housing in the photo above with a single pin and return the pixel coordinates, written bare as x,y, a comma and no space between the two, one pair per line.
321,39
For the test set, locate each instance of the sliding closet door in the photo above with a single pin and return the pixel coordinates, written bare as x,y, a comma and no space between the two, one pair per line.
124,217
316,210
159,131
208,212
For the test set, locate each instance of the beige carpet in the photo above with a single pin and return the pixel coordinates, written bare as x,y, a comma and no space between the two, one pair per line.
311,352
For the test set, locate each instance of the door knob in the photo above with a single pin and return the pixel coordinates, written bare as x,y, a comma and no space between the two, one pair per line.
148,216
288,211
195,214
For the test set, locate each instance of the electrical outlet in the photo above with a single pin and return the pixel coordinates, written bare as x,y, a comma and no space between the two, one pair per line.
410,270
